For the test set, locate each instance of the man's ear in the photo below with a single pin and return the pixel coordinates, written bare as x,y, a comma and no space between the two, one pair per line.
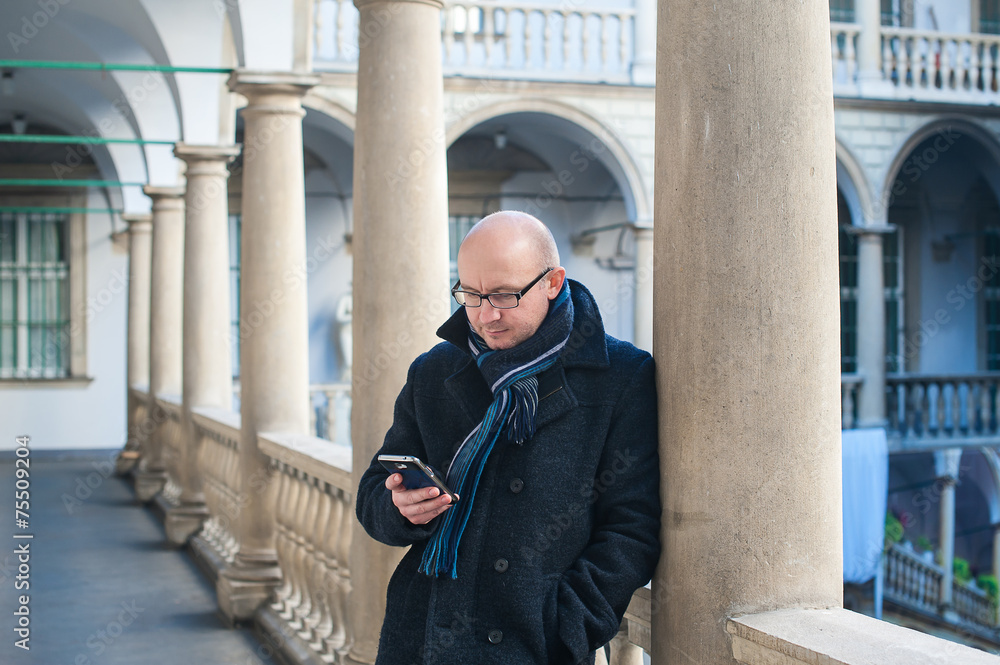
555,280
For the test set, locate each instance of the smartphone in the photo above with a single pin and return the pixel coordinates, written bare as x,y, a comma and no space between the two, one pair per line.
415,473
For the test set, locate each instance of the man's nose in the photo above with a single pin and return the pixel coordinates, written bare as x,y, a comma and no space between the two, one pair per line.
488,312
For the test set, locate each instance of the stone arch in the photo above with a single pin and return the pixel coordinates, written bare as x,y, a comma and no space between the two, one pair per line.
622,166
853,183
944,126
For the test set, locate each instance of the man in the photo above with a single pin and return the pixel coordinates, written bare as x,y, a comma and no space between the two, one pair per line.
546,429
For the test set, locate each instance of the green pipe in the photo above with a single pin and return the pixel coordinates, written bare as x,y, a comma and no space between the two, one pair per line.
58,209
56,182
109,67
74,140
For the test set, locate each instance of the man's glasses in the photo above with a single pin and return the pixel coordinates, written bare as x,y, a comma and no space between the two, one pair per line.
497,300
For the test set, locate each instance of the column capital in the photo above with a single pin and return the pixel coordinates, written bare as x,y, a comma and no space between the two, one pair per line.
436,4
210,157
255,85
141,222
946,464
165,197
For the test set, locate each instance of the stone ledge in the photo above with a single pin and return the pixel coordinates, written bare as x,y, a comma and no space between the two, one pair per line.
319,458
840,637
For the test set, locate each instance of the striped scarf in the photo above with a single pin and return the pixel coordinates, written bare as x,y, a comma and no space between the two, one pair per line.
512,376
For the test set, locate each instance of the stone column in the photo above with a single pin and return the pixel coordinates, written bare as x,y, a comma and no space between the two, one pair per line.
868,13
165,328
140,252
208,372
274,351
946,467
747,325
643,296
871,328
400,220
644,63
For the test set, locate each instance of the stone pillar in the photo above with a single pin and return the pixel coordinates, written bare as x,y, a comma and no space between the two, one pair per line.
747,325
400,220
868,13
140,253
274,352
165,328
871,328
946,467
208,372
643,296
644,63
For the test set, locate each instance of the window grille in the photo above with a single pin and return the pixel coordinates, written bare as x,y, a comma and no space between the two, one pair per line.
34,296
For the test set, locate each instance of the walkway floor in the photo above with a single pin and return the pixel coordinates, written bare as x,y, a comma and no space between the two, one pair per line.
104,587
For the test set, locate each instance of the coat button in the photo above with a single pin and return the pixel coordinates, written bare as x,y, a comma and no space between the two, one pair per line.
516,485
500,565
495,636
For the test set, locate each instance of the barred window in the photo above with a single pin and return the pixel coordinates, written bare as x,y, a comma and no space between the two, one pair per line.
34,295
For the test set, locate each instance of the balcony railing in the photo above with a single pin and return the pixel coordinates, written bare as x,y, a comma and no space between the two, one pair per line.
932,408
520,40
914,583
921,65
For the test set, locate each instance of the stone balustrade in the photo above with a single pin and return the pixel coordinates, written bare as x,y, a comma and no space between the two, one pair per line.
927,409
521,40
330,412
219,462
973,605
921,65
171,437
850,384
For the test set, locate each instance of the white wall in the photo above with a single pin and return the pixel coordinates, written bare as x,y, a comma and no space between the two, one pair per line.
91,416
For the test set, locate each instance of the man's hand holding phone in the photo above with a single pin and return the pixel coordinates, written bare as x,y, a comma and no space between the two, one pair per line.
420,505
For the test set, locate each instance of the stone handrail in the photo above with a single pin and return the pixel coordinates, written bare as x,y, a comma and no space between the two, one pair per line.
314,499
170,434
911,581
840,637
522,40
218,460
926,408
850,384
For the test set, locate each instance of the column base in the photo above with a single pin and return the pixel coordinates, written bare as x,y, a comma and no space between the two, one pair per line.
148,484
184,521
125,461
241,591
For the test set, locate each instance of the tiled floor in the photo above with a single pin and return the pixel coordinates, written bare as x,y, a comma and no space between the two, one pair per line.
104,587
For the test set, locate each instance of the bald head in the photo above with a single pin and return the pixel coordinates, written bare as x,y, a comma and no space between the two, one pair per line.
509,252
512,228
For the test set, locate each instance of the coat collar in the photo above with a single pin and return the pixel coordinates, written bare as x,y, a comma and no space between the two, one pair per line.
587,346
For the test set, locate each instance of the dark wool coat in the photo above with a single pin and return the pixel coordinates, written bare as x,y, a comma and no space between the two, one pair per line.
564,528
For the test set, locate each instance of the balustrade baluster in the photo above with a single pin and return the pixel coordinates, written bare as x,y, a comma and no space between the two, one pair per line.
448,36
527,38
284,590
489,34
923,391
300,596
888,59
470,34
971,399
941,409
834,54
307,558
605,47
547,37
623,46
317,25
287,573
334,638
585,38
323,622
567,39
343,547
339,42
850,55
